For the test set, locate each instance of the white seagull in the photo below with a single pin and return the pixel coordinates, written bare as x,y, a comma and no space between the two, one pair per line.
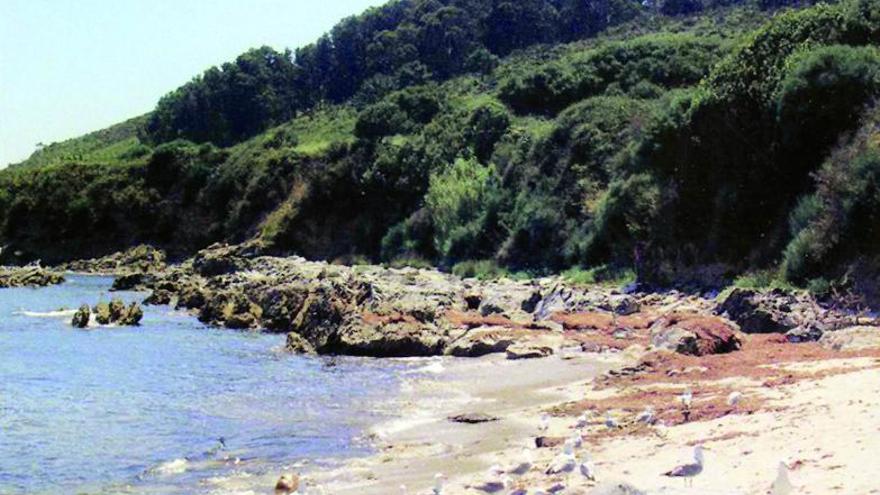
563,463
610,422
582,421
691,470
734,398
439,482
587,469
781,486
525,463
687,398
647,416
545,423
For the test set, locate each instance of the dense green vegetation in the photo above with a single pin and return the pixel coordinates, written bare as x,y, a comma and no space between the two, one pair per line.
680,142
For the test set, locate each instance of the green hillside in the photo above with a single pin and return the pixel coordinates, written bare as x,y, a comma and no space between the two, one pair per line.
687,142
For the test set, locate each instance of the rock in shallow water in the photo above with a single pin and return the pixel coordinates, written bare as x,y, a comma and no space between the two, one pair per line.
81,317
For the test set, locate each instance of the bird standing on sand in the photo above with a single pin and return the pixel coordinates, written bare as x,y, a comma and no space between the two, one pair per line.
439,482
495,480
587,469
544,425
582,421
689,471
525,463
781,486
687,398
647,416
734,398
610,422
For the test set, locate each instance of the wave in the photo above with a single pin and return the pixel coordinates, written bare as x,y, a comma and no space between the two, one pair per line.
61,313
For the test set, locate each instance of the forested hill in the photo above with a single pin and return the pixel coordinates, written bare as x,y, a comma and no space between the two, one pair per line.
685,142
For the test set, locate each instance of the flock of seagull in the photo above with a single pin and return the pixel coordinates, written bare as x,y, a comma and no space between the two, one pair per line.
568,463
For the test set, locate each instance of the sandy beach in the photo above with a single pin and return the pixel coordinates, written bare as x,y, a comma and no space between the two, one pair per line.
821,418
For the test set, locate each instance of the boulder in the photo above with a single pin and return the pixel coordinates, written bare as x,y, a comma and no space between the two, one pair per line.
218,260
131,316
117,309
159,297
298,345
852,338
388,339
528,351
102,313
695,335
473,418
131,281
81,317
287,484
481,341
757,312
807,332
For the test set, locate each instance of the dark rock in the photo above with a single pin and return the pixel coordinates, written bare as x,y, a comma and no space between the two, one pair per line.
490,307
396,339
472,301
159,297
117,308
529,305
132,281
755,312
218,260
132,315
549,442
81,317
287,484
473,418
298,345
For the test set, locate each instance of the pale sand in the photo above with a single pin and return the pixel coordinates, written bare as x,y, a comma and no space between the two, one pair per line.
828,429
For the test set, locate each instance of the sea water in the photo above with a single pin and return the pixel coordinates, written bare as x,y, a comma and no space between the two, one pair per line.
166,406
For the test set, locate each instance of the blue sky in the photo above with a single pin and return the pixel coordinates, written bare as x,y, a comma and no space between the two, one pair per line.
68,67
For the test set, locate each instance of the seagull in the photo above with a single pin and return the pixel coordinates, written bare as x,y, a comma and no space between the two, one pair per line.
576,441
439,481
610,422
734,398
689,471
647,416
545,423
525,464
563,463
587,469
582,421
687,398
495,480
781,486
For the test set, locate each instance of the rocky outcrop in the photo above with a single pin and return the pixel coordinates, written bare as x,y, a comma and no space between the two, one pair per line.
759,312
113,313
695,335
139,259
528,351
297,345
81,317
852,338
28,276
